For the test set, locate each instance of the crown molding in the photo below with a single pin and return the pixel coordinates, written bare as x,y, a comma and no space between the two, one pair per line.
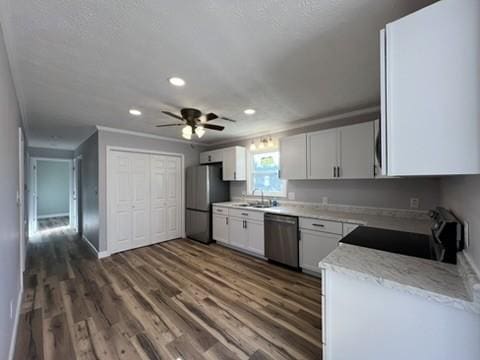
359,112
146,135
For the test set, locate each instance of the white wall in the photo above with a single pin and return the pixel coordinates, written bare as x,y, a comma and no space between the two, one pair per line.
9,222
461,194
107,138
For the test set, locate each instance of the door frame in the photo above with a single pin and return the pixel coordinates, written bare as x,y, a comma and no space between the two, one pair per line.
21,201
108,182
33,205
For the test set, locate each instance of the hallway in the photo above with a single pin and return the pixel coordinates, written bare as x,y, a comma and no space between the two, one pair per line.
176,300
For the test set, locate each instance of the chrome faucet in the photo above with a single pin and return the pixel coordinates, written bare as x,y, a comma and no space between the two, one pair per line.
253,193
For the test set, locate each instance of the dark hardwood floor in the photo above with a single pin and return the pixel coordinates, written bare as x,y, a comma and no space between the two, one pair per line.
176,300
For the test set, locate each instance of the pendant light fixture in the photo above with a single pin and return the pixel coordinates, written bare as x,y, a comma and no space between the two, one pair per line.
253,147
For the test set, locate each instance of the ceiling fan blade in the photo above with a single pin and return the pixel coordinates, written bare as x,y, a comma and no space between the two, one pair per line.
228,119
173,115
169,125
213,127
211,116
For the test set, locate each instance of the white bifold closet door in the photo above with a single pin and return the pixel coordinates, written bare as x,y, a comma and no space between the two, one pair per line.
145,199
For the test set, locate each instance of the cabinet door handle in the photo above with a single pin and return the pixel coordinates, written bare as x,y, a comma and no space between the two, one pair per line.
334,171
246,224
338,171
245,214
209,158
234,175
318,225
226,220
279,174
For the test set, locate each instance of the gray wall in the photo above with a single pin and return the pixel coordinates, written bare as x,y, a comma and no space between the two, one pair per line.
390,193
107,138
461,194
9,223
387,193
89,189
53,188
50,153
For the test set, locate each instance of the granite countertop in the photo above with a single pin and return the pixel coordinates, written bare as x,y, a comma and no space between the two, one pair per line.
453,285
391,222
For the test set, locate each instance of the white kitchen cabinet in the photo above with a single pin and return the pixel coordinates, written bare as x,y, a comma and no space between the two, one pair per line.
322,154
430,90
314,246
237,232
233,161
234,164
346,152
293,157
256,238
210,157
220,228
356,157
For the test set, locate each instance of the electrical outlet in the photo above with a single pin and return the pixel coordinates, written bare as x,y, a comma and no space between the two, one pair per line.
414,203
325,200
466,234
11,309
291,196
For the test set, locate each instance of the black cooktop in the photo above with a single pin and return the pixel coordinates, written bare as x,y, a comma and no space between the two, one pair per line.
399,242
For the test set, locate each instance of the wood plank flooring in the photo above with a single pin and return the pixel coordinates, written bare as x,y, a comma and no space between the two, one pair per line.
52,223
176,300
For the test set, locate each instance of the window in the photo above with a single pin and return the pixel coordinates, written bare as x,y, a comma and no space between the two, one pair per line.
262,173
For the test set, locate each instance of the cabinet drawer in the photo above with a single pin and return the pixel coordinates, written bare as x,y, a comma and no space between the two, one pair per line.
246,214
220,210
321,225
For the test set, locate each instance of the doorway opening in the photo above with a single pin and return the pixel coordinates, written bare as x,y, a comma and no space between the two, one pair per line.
52,203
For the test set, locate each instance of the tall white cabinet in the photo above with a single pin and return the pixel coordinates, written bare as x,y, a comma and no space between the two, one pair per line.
430,91
144,199
293,160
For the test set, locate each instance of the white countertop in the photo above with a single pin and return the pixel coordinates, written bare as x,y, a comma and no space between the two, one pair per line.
379,221
433,280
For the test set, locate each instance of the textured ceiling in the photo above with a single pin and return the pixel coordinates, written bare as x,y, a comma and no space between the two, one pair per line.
77,64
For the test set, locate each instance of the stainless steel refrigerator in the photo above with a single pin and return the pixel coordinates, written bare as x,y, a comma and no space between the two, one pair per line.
204,186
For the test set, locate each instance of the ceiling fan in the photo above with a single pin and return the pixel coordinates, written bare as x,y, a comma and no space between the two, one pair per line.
195,122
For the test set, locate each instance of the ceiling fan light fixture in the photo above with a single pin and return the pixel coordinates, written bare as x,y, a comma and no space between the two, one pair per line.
203,119
200,131
135,112
187,130
249,111
176,81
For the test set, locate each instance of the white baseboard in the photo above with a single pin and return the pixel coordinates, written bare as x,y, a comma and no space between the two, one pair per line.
13,340
52,216
98,254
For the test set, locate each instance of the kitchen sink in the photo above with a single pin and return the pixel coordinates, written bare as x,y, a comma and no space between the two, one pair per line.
253,205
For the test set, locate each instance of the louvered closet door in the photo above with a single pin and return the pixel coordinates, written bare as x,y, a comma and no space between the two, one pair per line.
140,178
120,229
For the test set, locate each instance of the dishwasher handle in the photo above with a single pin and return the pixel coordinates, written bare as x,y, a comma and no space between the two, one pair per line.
281,219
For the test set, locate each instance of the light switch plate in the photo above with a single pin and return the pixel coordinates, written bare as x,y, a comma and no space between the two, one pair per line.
291,196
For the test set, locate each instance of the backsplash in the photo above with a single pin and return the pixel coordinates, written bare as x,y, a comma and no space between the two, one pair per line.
367,210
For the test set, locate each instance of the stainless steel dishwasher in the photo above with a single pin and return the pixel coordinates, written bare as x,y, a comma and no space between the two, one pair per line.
281,239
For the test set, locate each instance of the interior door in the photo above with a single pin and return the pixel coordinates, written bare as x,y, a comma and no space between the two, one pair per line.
173,196
140,179
158,187
74,207
322,154
120,230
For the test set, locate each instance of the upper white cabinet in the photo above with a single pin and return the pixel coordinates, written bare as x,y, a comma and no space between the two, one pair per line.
322,154
233,160
430,94
293,157
356,157
346,152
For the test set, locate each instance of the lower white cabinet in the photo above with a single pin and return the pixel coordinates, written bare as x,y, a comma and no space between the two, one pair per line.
256,238
220,228
237,232
314,246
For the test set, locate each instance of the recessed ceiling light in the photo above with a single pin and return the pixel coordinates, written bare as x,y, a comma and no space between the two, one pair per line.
249,111
176,81
135,112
